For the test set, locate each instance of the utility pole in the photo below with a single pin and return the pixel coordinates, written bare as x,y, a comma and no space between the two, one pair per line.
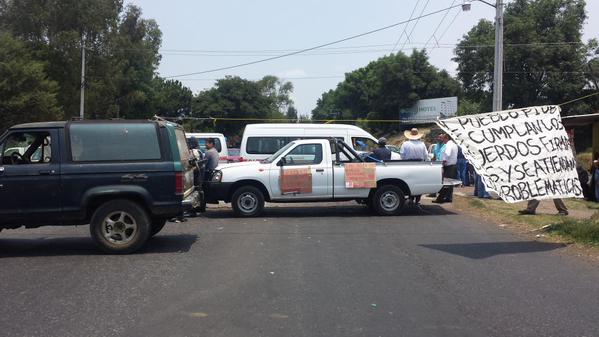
498,69
82,103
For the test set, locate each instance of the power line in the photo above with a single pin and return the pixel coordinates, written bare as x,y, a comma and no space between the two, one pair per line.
450,24
438,26
405,27
311,48
366,51
266,51
415,24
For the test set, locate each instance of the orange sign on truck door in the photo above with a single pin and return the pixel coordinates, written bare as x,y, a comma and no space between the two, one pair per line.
360,175
296,181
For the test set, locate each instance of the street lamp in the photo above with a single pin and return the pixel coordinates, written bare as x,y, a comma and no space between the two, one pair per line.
498,67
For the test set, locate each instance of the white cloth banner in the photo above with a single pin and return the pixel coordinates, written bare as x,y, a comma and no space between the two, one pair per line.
520,154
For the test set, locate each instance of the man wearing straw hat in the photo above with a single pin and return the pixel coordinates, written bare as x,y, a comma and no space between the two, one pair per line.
413,149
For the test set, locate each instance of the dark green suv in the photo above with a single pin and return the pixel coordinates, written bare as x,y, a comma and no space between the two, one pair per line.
124,178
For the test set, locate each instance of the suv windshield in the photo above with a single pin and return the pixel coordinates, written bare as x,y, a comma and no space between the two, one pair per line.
278,153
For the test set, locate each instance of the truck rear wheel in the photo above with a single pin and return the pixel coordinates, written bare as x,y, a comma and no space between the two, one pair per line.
247,201
120,226
388,200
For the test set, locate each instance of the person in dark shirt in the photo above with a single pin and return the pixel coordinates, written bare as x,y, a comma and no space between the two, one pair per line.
382,152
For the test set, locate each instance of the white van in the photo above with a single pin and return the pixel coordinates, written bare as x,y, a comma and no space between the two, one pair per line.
220,143
261,140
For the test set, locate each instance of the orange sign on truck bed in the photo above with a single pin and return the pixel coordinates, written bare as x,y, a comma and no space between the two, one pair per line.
360,175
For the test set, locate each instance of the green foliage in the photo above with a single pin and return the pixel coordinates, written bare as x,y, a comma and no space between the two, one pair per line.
235,97
469,107
26,93
121,53
383,87
170,98
545,60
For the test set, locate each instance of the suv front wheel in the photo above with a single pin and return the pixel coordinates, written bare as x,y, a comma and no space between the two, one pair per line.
120,226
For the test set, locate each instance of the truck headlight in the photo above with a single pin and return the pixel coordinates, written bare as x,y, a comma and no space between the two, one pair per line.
217,176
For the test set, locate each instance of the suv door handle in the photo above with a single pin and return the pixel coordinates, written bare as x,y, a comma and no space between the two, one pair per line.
46,172
319,170
140,177
127,177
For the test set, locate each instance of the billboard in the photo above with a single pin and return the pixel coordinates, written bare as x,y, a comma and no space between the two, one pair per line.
428,110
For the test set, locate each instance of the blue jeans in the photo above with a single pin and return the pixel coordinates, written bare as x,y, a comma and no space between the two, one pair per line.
479,188
463,172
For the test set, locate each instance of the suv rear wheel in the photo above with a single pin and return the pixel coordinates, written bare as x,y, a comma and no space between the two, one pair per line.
247,201
388,200
157,225
120,226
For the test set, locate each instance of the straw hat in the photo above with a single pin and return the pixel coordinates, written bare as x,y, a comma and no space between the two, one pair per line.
412,134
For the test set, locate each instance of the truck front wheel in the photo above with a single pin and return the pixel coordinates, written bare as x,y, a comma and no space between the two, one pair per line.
388,200
247,201
120,226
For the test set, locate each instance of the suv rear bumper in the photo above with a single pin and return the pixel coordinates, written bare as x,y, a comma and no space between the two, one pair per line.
194,200
170,210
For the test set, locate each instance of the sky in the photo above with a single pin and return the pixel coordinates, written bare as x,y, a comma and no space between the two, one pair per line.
205,35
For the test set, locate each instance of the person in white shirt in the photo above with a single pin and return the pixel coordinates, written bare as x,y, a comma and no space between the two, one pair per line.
450,160
413,149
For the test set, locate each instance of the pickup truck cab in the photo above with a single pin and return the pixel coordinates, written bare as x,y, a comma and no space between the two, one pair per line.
124,178
315,170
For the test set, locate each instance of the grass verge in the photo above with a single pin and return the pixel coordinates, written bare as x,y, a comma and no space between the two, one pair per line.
583,231
582,226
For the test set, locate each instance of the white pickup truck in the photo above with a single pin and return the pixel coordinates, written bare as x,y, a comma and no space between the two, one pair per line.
315,170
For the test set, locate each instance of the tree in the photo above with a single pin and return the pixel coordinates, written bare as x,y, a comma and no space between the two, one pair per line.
545,60
170,98
121,51
385,86
26,93
235,97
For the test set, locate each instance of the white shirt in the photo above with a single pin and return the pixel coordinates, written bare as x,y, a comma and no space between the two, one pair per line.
413,150
450,155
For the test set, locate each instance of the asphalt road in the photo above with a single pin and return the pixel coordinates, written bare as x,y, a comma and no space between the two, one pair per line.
300,271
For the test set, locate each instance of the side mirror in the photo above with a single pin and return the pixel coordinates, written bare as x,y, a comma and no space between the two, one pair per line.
282,162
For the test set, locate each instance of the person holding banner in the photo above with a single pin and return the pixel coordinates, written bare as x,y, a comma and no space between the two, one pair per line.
532,205
450,159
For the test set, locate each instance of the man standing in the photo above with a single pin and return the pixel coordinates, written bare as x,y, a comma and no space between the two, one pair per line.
211,156
382,152
450,159
532,205
413,148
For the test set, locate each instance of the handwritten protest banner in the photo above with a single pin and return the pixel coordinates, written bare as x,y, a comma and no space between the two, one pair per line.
520,154
296,181
360,175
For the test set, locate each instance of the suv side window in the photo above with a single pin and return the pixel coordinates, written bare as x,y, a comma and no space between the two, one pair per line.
93,142
24,148
305,154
